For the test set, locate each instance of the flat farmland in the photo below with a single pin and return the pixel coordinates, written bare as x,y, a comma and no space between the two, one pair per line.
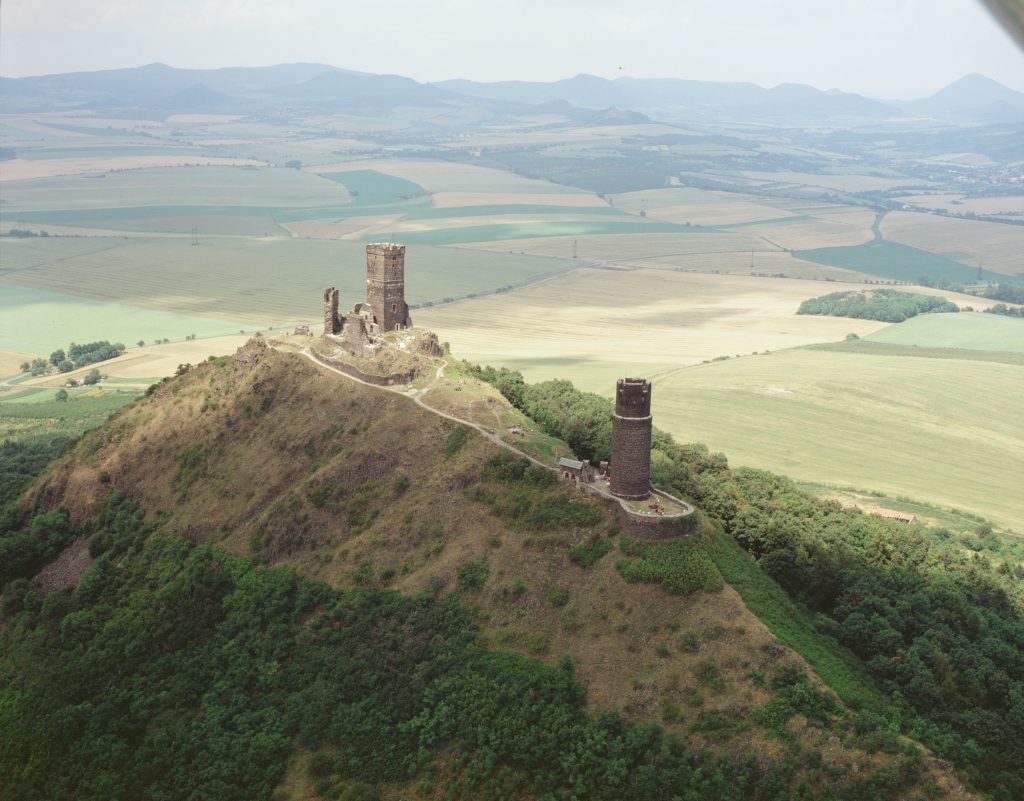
138,367
769,262
967,330
450,176
10,361
592,326
345,228
896,261
874,422
498,228
994,246
40,321
199,187
686,204
90,163
828,229
840,182
958,204
632,249
249,281
445,200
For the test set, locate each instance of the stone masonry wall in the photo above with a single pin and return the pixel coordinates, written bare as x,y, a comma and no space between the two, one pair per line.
332,323
631,439
385,285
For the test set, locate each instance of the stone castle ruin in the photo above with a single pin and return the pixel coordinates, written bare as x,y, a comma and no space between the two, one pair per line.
360,332
631,439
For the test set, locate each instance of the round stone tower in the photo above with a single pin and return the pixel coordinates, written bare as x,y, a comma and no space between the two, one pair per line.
631,439
385,285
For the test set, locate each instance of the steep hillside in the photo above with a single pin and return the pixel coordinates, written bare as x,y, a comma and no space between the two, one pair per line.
269,455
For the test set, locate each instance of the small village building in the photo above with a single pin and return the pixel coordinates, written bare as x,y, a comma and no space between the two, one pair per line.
576,472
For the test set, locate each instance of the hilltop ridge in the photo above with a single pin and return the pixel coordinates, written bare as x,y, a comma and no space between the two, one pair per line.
268,455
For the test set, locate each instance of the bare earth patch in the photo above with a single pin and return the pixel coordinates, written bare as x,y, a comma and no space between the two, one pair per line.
64,571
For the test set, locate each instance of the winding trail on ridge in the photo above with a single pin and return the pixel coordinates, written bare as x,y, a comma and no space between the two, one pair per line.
417,398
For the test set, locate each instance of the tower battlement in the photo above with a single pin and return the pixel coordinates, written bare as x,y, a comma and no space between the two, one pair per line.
633,397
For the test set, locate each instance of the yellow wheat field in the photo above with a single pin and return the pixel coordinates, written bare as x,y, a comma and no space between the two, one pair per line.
593,325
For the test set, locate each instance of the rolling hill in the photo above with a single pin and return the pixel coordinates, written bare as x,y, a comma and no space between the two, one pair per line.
267,456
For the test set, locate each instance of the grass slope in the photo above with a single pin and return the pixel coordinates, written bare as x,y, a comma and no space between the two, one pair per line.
987,332
871,421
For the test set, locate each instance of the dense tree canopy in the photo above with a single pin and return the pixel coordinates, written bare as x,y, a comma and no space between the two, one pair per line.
887,305
175,671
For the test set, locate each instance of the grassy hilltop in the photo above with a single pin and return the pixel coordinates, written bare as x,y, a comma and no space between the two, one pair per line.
268,457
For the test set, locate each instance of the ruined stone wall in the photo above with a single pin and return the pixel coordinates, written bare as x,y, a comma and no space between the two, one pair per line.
657,528
332,322
355,337
385,285
631,439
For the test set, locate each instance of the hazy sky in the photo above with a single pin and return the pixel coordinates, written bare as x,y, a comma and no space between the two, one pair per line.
884,48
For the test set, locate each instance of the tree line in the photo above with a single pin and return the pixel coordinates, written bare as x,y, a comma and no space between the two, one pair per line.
75,357
885,305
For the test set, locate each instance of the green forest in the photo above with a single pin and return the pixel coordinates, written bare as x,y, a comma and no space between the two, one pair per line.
175,671
886,305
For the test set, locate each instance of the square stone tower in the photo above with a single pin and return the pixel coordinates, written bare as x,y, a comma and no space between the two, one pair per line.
385,286
332,322
631,439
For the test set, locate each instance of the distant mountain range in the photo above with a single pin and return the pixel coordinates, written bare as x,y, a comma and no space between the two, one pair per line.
159,90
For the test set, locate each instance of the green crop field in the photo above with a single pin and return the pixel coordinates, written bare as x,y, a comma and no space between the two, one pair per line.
40,321
893,260
145,288
871,348
975,331
372,188
945,431
48,418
